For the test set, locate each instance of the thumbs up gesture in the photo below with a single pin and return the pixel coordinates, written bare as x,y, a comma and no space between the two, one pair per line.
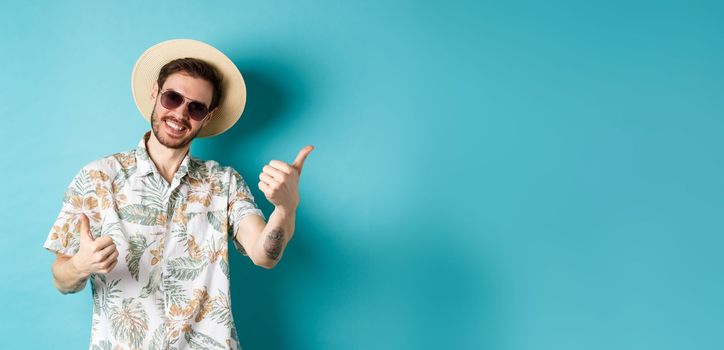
97,255
280,181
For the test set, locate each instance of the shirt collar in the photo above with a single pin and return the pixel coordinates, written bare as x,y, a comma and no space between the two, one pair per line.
189,165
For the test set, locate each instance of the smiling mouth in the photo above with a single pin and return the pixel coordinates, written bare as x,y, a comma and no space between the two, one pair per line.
174,126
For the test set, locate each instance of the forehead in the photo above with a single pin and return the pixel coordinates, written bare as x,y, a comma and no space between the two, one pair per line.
194,88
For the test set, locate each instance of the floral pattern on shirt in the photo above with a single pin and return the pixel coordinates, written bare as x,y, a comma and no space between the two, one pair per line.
170,288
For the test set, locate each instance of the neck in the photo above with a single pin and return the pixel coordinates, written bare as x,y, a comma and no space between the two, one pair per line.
167,160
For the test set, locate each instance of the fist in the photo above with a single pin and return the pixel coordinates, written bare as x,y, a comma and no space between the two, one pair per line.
94,255
280,181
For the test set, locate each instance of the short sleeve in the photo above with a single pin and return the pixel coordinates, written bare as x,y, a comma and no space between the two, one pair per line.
80,197
241,204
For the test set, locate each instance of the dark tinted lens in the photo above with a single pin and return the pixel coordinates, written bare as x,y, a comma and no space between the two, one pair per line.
171,99
197,110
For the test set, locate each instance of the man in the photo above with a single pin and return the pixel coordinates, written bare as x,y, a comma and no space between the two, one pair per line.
150,227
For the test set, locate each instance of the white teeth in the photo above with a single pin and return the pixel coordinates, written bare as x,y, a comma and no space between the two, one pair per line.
174,125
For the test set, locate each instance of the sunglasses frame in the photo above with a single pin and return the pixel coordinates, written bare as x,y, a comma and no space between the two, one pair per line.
188,105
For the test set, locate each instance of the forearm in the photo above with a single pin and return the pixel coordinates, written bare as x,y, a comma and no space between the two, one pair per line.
67,278
274,237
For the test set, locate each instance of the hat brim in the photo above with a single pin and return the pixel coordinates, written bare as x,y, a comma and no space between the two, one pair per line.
146,70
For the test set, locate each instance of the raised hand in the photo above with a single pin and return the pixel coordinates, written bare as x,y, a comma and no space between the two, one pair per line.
279,181
94,255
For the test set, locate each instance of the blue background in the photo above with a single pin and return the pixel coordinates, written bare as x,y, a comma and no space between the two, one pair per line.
487,174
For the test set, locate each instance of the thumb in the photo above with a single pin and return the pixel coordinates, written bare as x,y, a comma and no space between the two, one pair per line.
299,161
85,234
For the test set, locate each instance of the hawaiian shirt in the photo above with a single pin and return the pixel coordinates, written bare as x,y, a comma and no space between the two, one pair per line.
170,287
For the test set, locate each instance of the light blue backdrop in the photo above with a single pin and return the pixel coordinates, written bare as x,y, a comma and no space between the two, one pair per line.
487,174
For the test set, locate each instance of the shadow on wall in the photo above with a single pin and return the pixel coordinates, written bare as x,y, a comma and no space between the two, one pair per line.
274,90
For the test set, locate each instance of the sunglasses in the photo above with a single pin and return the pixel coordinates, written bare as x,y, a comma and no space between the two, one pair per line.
171,100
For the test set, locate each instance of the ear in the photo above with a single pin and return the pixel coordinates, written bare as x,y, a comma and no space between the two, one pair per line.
212,114
154,91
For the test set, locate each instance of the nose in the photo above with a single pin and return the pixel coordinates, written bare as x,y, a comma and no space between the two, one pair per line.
181,112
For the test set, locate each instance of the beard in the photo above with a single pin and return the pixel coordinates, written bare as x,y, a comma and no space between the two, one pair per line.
167,140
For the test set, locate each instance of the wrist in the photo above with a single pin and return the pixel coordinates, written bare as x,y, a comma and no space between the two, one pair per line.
285,210
78,271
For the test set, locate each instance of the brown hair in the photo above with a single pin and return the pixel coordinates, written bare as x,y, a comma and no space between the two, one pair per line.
196,68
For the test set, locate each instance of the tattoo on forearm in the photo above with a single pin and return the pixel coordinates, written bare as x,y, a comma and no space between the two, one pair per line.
273,243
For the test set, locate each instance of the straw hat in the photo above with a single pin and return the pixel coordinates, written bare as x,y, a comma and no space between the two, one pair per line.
146,70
